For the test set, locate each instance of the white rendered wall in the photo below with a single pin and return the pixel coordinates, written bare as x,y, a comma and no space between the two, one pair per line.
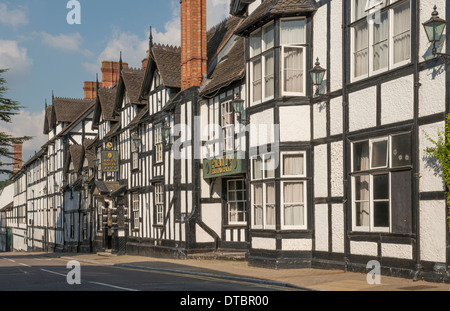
433,231
321,227
363,109
295,124
337,228
401,106
320,171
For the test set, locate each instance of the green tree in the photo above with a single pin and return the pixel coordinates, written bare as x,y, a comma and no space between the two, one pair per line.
8,108
440,151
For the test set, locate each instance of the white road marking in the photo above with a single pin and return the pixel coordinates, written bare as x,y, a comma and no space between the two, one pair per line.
113,286
54,272
23,264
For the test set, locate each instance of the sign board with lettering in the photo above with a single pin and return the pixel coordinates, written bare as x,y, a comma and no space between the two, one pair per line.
110,161
224,166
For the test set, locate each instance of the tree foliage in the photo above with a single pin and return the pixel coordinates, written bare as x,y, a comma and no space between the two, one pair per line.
8,109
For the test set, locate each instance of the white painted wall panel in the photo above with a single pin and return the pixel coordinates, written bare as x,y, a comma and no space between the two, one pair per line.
363,248
295,124
320,171
296,244
320,120
432,91
336,116
401,251
363,109
337,162
337,228
321,225
430,177
336,46
261,128
432,231
397,100
264,243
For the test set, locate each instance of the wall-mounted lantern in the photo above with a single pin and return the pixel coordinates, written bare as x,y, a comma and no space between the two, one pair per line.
165,130
137,141
238,105
317,74
434,28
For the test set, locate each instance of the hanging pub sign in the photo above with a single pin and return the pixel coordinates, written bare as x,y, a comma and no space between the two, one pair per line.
223,166
110,161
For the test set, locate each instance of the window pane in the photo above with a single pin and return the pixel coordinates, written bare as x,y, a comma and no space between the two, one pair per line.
257,168
268,76
359,7
255,44
379,154
293,164
381,214
381,187
258,204
269,167
361,156
270,204
293,31
257,70
293,192
268,38
402,32
293,69
362,188
401,150
361,49
362,214
381,43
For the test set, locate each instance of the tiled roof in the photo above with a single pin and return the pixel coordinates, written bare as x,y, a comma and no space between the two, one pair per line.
69,109
270,8
133,82
168,61
89,153
107,98
219,35
76,155
48,119
231,68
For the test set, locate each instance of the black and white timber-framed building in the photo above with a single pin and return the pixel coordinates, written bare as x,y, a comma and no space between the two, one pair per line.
300,177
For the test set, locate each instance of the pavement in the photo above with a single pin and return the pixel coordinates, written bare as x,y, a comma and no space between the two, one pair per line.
292,279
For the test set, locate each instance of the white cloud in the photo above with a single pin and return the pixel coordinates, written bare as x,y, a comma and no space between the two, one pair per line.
27,123
14,58
65,42
13,18
134,47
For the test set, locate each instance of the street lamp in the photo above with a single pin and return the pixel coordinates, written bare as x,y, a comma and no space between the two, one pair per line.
434,28
136,140
165,130
238,105
317,75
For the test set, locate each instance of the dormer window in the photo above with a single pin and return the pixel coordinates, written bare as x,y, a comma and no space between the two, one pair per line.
262,65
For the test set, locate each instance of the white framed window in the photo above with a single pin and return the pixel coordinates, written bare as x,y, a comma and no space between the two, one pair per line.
293,164
236,202
293,207
262,66
381,36
159,203
135,204
293,56
373,161
227,125
264,205
158,143
134,153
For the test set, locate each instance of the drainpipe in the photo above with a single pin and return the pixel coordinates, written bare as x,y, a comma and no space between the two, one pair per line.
416,199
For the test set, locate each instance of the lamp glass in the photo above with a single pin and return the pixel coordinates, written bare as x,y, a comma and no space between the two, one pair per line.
238,104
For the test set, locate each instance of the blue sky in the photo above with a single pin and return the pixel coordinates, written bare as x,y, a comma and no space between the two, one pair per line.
45,53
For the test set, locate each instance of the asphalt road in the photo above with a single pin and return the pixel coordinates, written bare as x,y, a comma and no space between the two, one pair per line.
34,273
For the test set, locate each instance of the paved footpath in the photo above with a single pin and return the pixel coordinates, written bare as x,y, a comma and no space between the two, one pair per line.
312,279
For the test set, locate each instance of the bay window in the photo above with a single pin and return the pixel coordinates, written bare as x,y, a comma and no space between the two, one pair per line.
291,65
381,36
381,167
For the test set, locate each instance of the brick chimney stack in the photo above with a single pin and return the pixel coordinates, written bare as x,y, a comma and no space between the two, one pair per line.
17,154
193,43
111,72
90,89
